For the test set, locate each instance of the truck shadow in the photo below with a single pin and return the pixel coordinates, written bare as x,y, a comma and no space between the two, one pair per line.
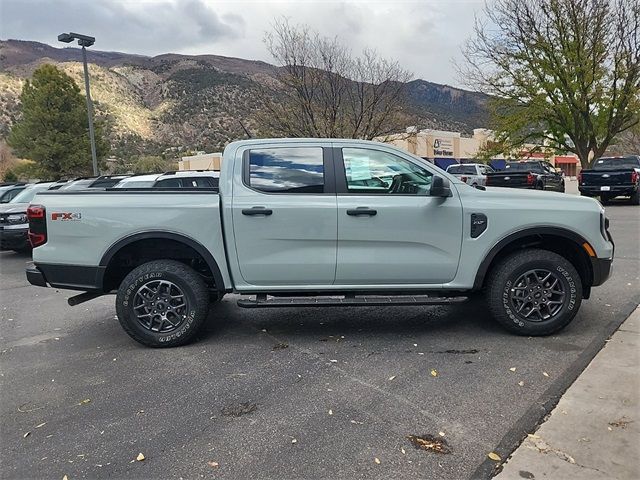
467,318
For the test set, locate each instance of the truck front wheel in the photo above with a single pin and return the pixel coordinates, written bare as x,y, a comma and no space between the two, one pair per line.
162,303
534,292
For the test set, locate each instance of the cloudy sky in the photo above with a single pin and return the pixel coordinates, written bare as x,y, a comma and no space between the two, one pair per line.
423,35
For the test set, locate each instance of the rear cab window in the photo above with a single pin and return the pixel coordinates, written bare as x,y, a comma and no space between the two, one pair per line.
617,162
285,170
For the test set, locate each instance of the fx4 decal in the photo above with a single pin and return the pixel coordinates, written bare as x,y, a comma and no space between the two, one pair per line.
66,216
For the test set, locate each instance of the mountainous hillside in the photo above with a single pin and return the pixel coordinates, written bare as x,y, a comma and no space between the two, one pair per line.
184,102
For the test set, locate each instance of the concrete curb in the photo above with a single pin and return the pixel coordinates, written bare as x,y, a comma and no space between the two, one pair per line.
539,409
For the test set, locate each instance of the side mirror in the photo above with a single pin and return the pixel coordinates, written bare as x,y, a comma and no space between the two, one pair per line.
440,187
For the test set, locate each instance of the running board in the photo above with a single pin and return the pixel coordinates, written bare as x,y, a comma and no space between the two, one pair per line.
262,301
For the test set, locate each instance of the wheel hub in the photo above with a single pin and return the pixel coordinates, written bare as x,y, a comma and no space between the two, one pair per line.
537,295
160,306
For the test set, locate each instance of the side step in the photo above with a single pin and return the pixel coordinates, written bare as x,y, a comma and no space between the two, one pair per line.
262,301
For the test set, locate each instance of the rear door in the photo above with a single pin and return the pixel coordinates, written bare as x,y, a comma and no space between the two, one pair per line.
390,231
284,215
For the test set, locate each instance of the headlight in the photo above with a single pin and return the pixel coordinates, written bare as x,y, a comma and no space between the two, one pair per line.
17,218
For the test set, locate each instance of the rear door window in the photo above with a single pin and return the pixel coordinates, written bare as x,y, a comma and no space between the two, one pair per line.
286,170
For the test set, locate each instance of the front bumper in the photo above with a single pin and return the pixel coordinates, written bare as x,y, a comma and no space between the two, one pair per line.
14,238
614,190
601,268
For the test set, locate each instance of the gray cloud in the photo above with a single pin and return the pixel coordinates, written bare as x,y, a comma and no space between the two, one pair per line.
423,35
148,27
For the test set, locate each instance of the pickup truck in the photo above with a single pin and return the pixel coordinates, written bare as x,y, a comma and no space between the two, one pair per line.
533,174
319,223
474,174
612,177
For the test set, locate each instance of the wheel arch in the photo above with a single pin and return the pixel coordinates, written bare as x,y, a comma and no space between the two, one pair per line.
159,235
556,239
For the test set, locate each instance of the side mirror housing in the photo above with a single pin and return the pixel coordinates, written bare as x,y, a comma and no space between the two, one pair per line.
440,187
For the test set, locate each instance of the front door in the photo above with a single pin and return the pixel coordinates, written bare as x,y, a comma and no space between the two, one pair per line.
390,231
284,216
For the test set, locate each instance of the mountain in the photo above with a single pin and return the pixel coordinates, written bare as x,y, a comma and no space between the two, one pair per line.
193,102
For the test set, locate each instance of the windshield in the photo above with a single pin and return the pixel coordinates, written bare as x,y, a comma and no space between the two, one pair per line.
28,193
135,184
613,163
465,169
77,185
523,166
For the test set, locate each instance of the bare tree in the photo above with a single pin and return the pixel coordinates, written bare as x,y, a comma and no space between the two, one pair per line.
325,91
563,71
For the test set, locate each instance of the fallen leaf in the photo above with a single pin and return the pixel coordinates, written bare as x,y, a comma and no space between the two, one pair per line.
531,435
402,450
494,456
377,460
65,478
609,428
26,435
441,434
521,383
41,425
545,374
85,401
622,423
392,377
140,457
211,464
430,443
434,373
513,369
330,412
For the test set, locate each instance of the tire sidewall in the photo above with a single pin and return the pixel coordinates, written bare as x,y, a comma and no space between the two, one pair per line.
125,302
569,282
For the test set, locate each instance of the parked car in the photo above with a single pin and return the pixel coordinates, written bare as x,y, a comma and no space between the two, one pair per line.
14,225
188,179
10,190
612,177
320,222
138,181
474,174
103,181
533,174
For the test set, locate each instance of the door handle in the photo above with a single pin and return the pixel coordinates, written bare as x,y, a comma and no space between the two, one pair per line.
257,211
355,212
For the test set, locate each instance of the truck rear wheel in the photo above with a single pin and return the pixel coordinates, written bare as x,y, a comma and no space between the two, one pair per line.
534,292
162,303
635,198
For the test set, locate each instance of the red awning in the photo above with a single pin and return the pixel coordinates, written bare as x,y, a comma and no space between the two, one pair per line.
567,159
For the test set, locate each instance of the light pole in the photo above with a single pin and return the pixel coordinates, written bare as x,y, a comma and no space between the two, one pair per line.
85,41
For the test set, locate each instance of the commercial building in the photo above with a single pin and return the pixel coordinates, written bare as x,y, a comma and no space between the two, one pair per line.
445,148
201,161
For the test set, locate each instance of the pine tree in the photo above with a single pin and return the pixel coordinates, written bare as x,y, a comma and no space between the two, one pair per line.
53,129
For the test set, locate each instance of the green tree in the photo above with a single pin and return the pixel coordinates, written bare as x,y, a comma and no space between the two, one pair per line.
566,72
9,176
53,128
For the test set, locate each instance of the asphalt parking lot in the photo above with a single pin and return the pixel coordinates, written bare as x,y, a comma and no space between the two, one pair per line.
284,393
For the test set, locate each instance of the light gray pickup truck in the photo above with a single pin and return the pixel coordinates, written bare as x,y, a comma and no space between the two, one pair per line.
320,222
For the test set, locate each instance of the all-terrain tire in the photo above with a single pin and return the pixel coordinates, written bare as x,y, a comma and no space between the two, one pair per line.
635,198
505,284
167,278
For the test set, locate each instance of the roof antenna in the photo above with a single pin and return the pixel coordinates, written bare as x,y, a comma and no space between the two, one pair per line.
245,129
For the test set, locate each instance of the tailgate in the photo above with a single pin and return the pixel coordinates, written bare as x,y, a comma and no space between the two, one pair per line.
597,178
504,179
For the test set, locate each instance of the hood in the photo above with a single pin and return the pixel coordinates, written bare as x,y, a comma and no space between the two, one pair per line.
518,198
14,207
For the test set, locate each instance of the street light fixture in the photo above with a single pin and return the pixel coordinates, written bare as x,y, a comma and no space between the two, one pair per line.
85,41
